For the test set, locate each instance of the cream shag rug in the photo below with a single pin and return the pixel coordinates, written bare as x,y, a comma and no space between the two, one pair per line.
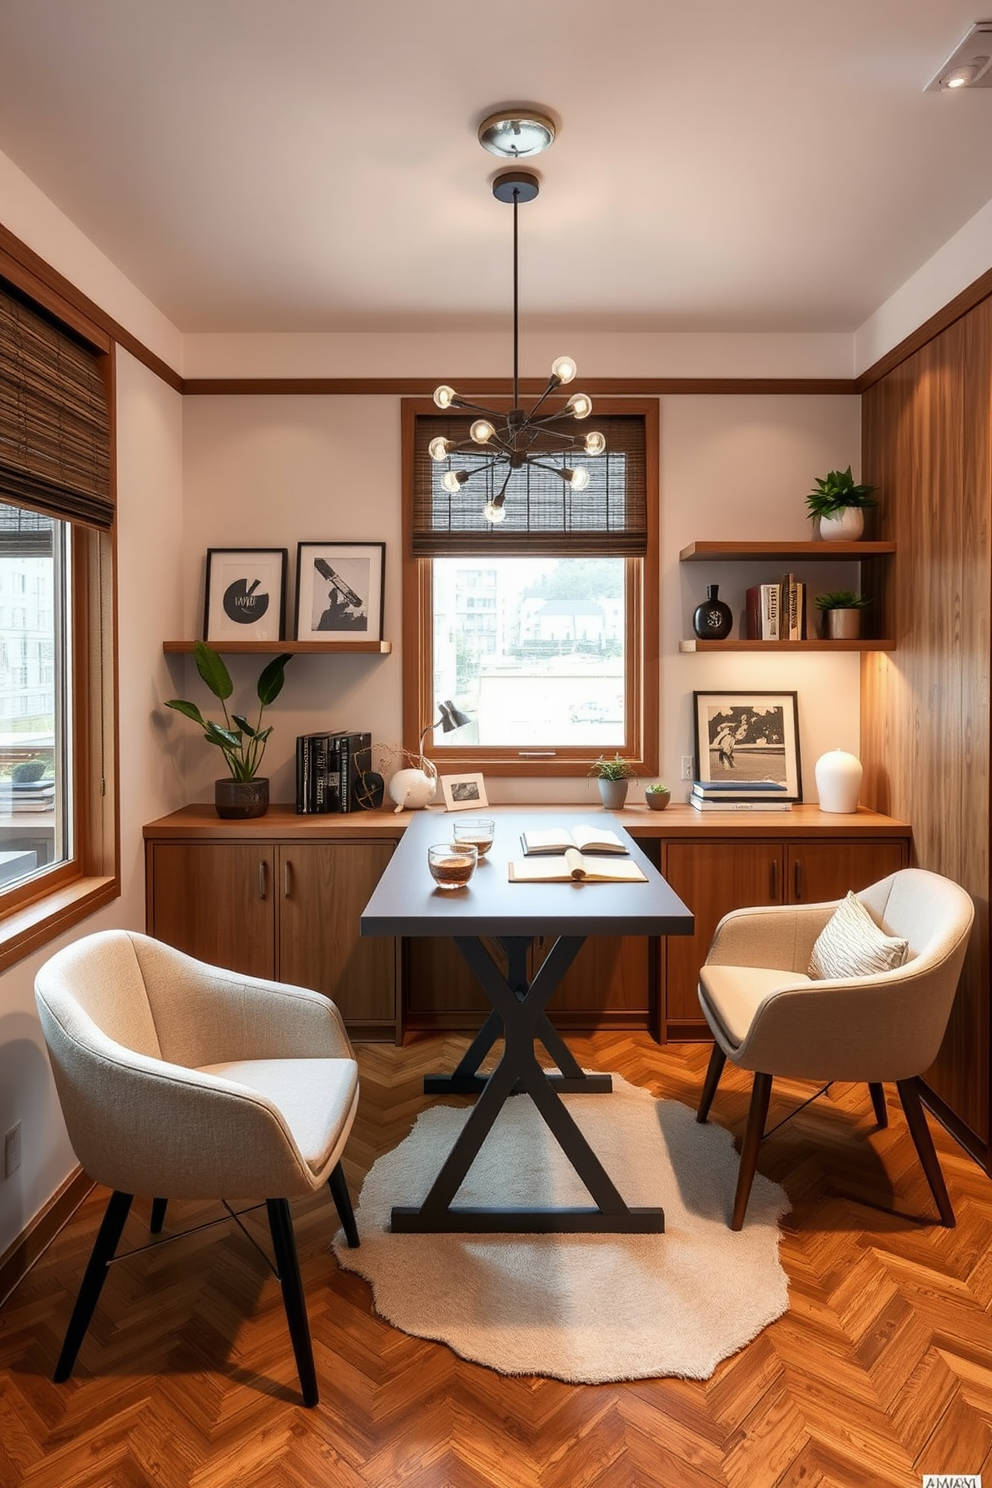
581,1308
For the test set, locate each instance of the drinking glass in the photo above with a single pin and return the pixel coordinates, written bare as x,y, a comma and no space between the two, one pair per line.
479,830
452,863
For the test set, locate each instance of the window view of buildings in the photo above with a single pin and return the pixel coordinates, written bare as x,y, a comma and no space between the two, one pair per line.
532,649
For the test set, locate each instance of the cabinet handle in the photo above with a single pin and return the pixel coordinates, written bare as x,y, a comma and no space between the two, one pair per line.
774,877
263,879
797,880
287,878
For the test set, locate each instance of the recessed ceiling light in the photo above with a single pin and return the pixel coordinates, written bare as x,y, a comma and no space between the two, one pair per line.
969,65
516,133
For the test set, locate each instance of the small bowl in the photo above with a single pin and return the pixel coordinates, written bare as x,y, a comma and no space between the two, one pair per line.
477,830
452,863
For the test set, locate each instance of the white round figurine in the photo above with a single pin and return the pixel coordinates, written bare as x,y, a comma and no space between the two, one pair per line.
412,789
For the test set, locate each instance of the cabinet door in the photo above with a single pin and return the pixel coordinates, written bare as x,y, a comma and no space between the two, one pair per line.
216,902
611,975
712,878
826,870
323,888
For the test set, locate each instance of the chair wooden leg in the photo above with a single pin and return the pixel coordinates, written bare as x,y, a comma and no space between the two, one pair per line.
877,1094
288,1266
909,1094
159,1207
338,1185
92,1284
757,1112
713,1072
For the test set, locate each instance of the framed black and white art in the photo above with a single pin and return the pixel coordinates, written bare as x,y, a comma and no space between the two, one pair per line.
245,594
339,591
746,736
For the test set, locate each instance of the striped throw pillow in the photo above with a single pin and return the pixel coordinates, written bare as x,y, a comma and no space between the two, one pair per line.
851,944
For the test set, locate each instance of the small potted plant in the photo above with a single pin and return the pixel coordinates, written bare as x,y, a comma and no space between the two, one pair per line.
837,503
658,796
242,744
841,611
614,776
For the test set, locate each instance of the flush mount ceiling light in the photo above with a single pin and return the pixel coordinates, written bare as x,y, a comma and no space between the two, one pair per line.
514,134
969,65
519,437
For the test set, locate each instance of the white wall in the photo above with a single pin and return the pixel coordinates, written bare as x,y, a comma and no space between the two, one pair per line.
149,417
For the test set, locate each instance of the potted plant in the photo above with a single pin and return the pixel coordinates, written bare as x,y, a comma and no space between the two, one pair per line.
241,743
658,796
614,777
841,611
837,502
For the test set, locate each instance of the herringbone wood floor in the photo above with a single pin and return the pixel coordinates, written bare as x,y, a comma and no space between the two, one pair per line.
881,1370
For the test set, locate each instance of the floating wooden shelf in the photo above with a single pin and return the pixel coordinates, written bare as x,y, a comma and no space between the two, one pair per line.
735,552
275,648
866,643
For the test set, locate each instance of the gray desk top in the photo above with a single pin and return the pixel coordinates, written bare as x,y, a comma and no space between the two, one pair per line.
405,901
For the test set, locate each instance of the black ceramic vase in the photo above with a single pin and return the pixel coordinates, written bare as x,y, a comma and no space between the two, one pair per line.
712,620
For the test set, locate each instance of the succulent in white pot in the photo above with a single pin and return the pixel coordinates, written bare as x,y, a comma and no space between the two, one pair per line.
836,503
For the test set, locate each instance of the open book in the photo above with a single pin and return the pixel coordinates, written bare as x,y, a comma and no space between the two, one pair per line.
572,865
558,840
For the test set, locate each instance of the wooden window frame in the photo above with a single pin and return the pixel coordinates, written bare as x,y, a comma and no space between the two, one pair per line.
641,681
33,914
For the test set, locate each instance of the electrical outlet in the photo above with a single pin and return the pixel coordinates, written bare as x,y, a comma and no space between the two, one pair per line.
12,1150
687,767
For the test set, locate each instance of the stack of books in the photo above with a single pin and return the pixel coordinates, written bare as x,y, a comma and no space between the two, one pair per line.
328,770
739,795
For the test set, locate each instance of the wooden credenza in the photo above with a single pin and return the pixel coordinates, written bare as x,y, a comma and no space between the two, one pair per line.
281,897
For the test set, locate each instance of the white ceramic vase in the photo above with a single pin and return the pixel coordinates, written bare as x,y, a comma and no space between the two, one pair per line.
838,781
846,526
412,789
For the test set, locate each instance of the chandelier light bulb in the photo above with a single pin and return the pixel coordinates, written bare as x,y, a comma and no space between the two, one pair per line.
453,480
481,431
578,479
595,442
494,511
440,448
444,396
580,405
563,369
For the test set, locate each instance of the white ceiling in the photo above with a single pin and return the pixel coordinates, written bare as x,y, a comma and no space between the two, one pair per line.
313,164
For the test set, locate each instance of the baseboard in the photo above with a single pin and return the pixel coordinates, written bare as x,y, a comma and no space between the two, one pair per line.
18,1258
959,1130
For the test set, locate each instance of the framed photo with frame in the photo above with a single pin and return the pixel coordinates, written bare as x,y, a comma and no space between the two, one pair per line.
464,792
745,736
340,591
245,594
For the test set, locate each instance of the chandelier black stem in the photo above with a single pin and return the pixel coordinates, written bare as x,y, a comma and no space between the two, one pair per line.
516,317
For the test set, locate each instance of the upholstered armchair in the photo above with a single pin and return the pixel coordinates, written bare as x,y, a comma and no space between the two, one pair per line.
179,1080
768,1015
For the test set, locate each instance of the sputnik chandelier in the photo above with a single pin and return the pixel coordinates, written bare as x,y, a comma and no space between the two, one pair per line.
541,436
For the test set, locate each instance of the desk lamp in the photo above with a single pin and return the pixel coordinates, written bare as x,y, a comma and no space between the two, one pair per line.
414,788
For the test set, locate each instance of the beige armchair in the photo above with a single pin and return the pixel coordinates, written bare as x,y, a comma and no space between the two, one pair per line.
768,1016
179,1080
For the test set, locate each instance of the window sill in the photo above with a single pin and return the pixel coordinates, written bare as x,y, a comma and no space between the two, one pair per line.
33,925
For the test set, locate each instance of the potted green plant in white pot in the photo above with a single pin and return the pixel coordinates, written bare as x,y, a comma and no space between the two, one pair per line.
614,777
841,612
245,793
836,504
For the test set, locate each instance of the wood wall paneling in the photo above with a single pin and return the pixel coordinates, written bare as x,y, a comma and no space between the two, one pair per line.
925,738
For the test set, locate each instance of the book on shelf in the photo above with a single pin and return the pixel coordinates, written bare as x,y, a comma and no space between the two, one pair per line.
792,609
732,803
354,759
722,789
770,594
752,613
573,866
317,778
558,840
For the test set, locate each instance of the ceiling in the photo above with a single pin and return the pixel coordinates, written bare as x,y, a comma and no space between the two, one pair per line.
311,165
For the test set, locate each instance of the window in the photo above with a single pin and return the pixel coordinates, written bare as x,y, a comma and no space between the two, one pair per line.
544,629
58,834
